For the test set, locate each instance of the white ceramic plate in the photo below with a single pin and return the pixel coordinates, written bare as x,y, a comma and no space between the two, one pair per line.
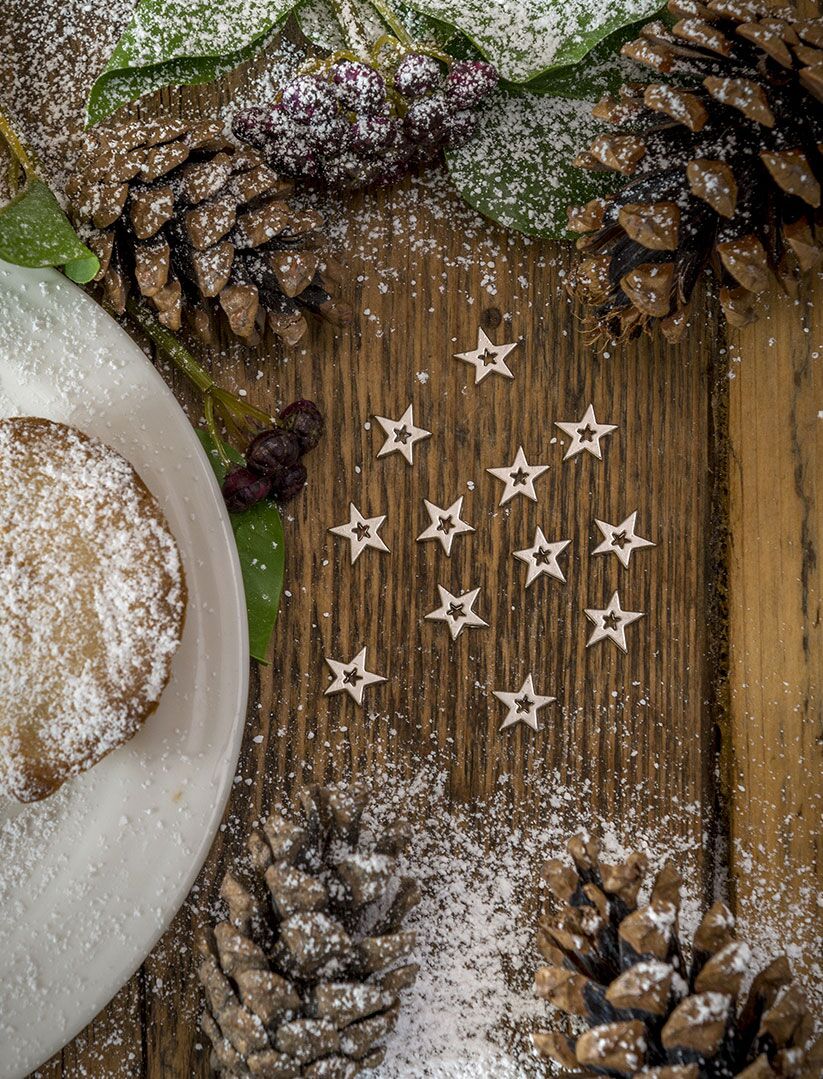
91,877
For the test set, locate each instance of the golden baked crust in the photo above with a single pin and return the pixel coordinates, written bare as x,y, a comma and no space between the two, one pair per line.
92,603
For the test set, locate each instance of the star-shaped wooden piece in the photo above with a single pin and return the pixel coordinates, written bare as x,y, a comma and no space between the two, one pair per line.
621,539
523,705
541,557
361,532
488,358
352,678
586,434
457,611
401,435
611,623
518,478
445,524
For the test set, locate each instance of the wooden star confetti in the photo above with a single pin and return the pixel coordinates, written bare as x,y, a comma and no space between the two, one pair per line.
518,478
401,435
361,532
611,623
457,611
523,705
586,434
487,358
621,539
352,678
541,557
445,524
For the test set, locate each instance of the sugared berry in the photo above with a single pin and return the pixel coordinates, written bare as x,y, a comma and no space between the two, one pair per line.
289,482
305,420
372,134
426,119
243,488
308,99
360,88
469,81
251,125
272,450
417,75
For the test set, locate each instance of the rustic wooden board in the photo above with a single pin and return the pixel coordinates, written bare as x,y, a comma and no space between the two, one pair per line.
633,727
774,746
635,731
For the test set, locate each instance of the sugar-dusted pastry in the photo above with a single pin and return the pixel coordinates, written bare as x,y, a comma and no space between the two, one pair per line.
92,602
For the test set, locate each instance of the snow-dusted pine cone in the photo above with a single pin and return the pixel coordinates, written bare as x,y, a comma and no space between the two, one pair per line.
653,1011
349,124
196,224
304,977
721,155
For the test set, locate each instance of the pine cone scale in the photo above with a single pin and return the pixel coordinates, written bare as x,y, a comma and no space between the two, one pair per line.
300,981
198,200
738,155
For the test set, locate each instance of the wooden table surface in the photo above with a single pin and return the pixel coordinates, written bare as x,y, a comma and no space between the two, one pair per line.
711,722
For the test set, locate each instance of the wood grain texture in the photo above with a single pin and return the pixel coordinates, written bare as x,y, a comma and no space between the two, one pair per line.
775,738
629,732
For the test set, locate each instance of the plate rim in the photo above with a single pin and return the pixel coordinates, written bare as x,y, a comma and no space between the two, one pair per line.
233,573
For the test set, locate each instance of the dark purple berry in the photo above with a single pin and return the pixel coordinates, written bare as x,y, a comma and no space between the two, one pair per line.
372,134
460,127
330,136
360,88
273,450
426,119
417,75
308,99
306,421
469,81
278,125
243,489
251,125
289,482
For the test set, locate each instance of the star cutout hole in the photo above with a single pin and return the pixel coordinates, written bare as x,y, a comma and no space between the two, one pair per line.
519,477
620,539
362,531
542,556
611,621
488,358
446,525
456,610
402,434
524,704
352,677
586,433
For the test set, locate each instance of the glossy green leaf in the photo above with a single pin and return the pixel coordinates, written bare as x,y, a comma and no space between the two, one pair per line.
261,548
34,231
518,170
181,42
525,38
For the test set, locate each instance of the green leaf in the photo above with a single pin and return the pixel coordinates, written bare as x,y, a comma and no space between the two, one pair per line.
180,42
525,38
261,547
34,231
518,169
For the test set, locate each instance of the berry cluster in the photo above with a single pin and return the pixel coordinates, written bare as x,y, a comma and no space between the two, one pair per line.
273,467
353,125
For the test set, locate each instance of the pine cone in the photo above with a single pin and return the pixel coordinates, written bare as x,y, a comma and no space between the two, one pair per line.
652,1014
304,978
725,165
197,224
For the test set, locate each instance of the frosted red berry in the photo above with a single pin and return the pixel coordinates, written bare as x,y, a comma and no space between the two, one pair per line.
243,488
469,81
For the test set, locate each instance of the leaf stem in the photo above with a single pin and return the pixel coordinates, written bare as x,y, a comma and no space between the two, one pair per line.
170,346
20,157
353,30
394,24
